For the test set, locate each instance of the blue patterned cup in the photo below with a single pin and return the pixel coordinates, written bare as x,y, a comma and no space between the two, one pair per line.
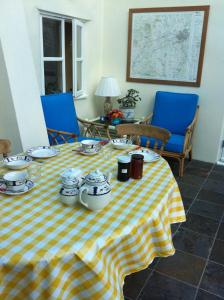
15,181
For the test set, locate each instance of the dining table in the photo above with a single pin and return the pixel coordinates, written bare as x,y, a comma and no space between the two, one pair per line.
52,251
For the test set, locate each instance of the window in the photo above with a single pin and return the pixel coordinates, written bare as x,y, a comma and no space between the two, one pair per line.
62,55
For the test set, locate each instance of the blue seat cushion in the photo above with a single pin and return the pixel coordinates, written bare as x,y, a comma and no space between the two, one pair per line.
174,144
59,112
174,111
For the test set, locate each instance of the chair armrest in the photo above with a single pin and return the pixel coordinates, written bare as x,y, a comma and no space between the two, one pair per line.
94,129
193,123
60,135
190,127
146,119
83,121
189,131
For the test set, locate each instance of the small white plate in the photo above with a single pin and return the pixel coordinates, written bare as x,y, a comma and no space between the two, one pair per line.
121,143
28,186
43,152
149,155
17,162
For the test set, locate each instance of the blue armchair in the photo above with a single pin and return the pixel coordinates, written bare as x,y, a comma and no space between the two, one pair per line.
62,121
176,112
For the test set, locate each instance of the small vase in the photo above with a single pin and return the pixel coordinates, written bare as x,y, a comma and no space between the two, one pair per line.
116,121
128,112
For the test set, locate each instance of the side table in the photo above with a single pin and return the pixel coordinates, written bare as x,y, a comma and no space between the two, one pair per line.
111,129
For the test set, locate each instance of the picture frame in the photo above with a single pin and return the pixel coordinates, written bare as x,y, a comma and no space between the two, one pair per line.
166,45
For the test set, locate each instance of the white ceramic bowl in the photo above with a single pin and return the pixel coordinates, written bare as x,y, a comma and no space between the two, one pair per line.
121,143
17,162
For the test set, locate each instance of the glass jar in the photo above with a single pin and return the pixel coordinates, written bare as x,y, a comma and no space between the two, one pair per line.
137,166
124,167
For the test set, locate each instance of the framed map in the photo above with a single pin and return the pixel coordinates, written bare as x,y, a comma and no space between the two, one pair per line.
166,45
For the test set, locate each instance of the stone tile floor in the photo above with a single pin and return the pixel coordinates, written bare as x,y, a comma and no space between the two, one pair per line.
196,271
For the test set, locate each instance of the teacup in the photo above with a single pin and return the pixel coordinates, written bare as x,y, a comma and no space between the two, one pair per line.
15,181
90,146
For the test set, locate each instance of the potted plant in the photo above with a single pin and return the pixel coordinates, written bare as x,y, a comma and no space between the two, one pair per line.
128,104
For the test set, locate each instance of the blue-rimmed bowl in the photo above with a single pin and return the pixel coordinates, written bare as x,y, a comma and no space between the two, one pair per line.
121,143
17,162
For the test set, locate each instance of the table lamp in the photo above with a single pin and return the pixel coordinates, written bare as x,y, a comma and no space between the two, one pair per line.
108,87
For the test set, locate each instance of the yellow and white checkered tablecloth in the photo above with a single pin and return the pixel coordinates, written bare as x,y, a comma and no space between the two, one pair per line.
50,251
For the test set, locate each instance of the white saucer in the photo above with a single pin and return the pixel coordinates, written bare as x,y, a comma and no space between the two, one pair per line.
43,152
89,153
149,155
17,162
79,150
28,186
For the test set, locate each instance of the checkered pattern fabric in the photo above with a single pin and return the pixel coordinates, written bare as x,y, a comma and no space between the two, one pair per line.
50,251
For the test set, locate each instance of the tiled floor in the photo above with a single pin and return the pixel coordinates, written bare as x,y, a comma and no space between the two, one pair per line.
196,271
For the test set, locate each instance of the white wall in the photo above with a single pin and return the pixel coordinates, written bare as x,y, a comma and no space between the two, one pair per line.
22,121
208,131
90,10
8,123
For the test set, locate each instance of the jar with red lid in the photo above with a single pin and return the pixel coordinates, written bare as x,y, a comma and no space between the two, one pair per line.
137,161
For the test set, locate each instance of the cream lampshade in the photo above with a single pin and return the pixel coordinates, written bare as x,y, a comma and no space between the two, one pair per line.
108,87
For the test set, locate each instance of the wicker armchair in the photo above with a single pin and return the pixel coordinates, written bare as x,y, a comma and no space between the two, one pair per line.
62,122
178,113
5,147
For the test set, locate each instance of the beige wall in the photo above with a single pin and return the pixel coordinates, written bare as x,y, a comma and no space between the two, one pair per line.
90,10
21,112
8,123
208,131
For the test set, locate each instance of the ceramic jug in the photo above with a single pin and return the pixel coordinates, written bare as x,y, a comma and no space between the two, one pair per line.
69,193
95,192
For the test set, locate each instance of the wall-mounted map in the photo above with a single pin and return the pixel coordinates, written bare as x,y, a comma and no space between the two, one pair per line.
166,45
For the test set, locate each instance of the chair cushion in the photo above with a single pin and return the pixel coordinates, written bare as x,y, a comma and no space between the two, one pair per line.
59,112
174,144
174,111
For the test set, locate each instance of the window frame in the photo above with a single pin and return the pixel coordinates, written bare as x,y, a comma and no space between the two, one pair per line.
75,24
78,94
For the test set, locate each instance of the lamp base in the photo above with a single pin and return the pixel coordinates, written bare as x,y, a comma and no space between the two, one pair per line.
107,105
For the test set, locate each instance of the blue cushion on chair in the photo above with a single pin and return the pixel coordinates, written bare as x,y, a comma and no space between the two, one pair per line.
174,111
174,144
59,112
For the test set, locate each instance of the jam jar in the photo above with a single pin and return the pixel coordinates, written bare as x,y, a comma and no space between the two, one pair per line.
137,166
124,166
